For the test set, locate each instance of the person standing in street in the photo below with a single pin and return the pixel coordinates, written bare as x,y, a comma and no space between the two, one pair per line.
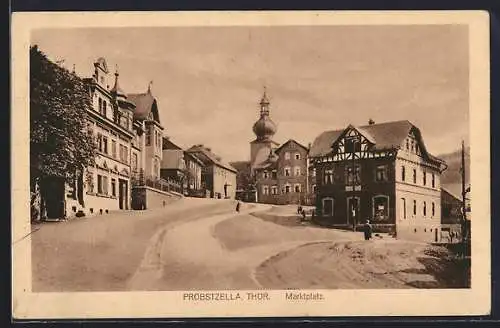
238,205
368,230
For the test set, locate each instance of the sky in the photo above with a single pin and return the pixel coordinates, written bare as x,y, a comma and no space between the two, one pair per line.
208,80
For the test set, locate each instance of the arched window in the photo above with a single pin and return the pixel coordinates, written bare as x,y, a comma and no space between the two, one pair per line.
403,173
433,209
425,209
155,167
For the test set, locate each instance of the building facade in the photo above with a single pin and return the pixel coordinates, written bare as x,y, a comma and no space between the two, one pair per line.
128,135
283,178
107,185
217,177
382,173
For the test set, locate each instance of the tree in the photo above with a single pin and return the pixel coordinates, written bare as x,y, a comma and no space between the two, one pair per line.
61,144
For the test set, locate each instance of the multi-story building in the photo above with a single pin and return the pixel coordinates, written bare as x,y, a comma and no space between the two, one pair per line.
283,177
381,172
128,134
216,176
183,167
193,184
275,174
106,186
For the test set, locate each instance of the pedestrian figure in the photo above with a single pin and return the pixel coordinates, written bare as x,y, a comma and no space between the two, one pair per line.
368,230
238,206
303,215
299,209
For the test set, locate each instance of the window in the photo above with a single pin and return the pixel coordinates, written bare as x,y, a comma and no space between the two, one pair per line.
297,188
287,155
433,180
266,175
380,208
148,136
155,167
297,170
403,208
274,174
352,145
287,171
313,172
124,121
353,178
407,144
102,184
104,108
297,156
328,176
412,146
113,148
113,187
134,161
424,209
414,207
327,206
403,173
105,144
314,188
287,189
99,142
274,190
433,209
424,178
265,190
381,173
99,184
414,176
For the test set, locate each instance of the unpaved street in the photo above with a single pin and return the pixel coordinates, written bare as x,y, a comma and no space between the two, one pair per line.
102,253
205,244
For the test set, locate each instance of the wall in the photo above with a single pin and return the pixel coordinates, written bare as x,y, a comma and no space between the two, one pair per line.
221,176
147,198
417,226
369,188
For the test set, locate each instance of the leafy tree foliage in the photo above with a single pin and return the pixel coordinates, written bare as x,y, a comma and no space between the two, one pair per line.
60,142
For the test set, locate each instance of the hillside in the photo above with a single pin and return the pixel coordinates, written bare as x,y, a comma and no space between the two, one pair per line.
451,178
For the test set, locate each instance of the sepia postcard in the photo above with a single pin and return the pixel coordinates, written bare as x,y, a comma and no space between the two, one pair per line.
250,164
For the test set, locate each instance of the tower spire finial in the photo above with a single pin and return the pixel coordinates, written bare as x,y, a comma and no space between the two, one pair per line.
264,103
149,86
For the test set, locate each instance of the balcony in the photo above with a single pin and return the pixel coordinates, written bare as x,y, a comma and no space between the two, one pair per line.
139,179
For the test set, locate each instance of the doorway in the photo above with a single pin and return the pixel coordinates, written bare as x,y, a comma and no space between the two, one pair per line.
123,194
53,192
353,210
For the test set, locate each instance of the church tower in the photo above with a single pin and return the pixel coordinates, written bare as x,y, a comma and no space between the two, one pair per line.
264,129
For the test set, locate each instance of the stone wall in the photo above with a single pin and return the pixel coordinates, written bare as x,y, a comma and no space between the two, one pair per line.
148,198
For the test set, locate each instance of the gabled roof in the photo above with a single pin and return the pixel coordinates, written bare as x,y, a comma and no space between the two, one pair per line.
384,136
207,157
169,144
145,104
194,158
277,150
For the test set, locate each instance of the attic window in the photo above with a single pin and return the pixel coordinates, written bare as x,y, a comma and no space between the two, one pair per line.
352,145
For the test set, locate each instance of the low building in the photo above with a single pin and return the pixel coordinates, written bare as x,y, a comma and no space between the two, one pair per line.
382,173
193,185
217,177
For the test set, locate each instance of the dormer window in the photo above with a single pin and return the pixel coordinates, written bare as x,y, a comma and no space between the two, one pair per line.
297,156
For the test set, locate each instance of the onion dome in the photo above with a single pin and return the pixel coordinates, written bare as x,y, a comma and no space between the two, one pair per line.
264,128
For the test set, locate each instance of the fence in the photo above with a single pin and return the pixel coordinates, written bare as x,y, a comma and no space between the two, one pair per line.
140,180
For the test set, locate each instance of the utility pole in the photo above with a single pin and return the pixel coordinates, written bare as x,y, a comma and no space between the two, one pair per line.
464,198
353,199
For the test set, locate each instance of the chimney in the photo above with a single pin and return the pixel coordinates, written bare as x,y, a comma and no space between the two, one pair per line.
371,122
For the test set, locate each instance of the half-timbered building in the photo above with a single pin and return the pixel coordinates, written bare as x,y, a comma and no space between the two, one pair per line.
378,172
